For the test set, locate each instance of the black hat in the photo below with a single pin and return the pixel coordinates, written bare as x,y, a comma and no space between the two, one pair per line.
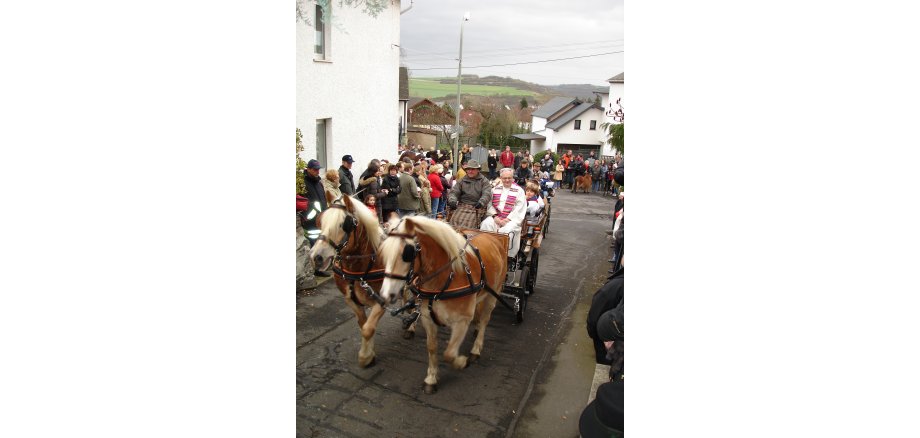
348,159
313,164
610,325
603,417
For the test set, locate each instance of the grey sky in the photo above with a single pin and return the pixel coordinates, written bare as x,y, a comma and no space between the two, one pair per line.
430,37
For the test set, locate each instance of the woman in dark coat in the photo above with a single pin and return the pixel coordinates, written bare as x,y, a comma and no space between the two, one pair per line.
389,189
493,164
368,184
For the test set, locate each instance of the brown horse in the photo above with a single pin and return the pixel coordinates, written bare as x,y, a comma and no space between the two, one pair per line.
455,279
350,231
582,182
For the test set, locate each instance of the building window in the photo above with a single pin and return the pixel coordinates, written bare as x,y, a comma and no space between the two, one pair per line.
577,125
322,34
593,125
322,140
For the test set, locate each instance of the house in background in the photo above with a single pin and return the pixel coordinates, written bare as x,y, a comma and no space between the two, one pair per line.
564,123
427,115
355,58
611,100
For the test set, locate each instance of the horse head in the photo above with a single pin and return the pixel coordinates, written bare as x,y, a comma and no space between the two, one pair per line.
402,250
341,224
398,252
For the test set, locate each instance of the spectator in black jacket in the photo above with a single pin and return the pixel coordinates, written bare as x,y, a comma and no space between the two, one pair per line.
315,192
389,190
493,163
346,180
608,297
523,174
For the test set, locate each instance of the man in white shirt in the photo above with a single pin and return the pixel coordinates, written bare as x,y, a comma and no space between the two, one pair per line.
507,210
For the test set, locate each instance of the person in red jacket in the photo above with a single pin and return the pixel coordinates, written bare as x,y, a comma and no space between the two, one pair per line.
434,177
507,158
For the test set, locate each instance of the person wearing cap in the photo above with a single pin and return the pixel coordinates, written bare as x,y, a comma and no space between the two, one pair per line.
469,197
315,192
507,209
346,180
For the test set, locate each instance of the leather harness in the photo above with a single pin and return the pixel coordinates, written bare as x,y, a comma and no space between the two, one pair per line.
415,281
352,276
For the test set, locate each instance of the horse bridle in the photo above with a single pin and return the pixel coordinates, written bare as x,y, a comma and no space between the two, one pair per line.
410,252
349,227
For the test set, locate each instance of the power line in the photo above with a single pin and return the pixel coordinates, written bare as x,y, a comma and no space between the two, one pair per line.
519,63
423,58
531,47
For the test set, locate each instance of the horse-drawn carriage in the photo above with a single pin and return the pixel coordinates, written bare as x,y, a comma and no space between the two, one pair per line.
521,278
456,278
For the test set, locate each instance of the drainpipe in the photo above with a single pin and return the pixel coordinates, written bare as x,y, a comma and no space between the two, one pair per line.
411,3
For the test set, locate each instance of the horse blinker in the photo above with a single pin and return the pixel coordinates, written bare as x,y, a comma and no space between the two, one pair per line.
408,254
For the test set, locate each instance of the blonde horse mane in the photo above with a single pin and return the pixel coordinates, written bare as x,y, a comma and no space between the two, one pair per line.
334,217
445,236
369,220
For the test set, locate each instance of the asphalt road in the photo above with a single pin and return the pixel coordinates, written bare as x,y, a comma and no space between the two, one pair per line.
532,380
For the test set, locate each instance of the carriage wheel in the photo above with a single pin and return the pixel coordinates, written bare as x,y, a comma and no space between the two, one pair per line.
545,226
523,297
531,283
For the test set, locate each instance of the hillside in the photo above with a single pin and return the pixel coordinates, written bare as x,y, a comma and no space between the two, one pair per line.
495,86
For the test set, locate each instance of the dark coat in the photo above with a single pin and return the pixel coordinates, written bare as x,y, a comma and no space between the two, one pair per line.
472,191
522,175
346,181
315,191
368,185
446,189
608,297
493,162
390,201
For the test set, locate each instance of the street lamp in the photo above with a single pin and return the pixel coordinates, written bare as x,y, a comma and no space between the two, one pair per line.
456,160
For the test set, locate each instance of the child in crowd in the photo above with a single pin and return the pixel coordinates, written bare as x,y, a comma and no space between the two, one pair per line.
371,202
425,196
534,203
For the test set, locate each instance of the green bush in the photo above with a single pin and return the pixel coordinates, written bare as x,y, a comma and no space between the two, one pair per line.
301,165
539,157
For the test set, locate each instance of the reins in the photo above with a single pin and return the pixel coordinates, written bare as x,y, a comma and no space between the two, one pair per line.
415,282
339,270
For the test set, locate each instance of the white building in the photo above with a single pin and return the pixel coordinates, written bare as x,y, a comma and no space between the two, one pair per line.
563,123
609,103
348,84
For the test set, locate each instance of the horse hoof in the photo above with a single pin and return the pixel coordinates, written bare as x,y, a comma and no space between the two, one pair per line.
408,334
473,358
372,362
431,389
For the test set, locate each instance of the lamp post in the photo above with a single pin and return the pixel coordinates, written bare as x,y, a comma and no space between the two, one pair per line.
455,156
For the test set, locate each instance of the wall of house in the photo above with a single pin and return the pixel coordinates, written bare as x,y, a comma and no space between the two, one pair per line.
568,134
538,123
358,87
615,91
